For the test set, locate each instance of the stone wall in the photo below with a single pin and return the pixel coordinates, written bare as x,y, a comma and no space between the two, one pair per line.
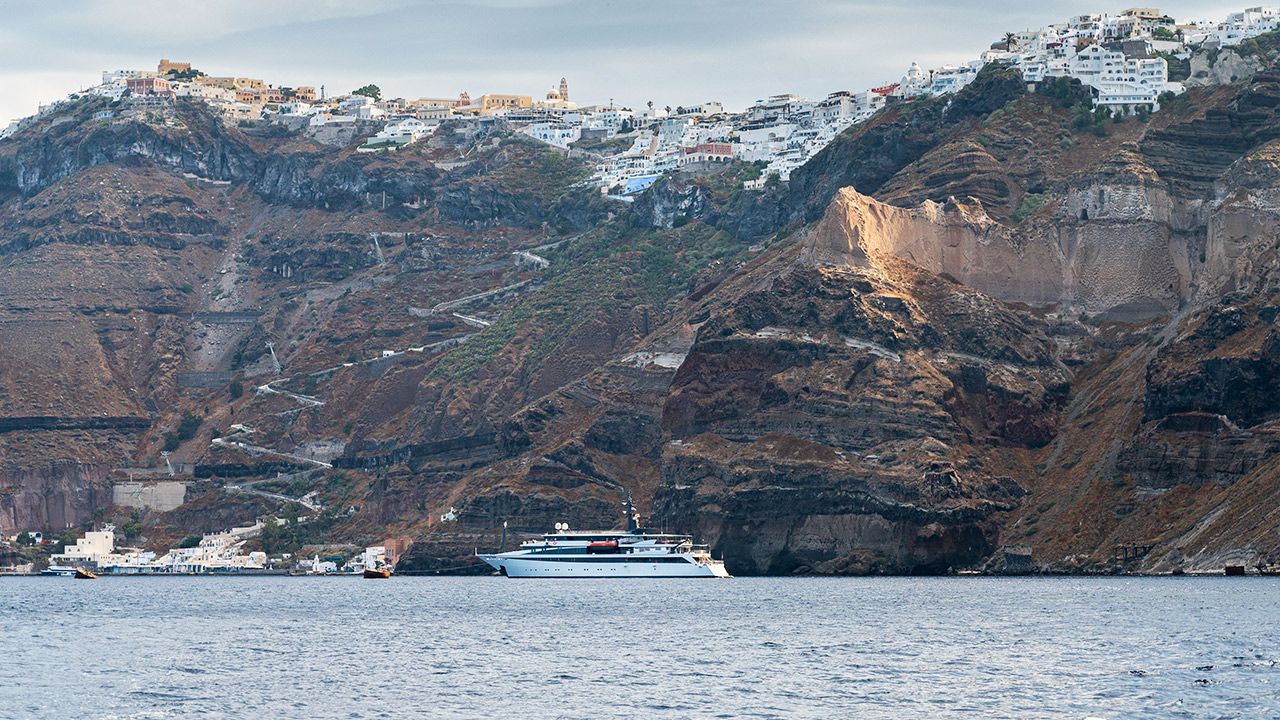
164,495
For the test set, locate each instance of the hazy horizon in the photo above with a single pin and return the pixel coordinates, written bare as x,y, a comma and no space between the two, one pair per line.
667,51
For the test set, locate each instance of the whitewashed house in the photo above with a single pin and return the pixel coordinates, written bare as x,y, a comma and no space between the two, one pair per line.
396,135
951,78
1122,83
914,83
557,133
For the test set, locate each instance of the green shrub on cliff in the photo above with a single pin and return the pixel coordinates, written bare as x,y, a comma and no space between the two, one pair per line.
1030,203
189,426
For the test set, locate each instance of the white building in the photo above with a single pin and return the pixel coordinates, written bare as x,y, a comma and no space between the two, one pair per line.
914,83
115,76
1240,26
215,553
951,78
114,91
610,119
558,133
1122,83
298,109
361,107
328,118
97,549
397,134
95,545
203,92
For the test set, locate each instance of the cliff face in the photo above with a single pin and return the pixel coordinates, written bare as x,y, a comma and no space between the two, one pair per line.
193,141
1123,260
58,494
842,420
957,239
966,326
148,257
1162,235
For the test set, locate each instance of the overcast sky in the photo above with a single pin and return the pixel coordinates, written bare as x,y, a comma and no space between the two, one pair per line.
668,51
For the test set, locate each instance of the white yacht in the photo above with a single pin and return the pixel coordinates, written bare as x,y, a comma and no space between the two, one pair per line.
635,552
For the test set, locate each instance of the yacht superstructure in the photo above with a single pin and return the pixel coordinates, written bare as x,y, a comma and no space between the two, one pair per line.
635,552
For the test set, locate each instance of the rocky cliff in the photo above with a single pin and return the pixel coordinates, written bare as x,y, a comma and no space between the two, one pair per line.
843,419
969,329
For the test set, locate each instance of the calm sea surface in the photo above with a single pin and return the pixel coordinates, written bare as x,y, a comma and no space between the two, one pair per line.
759,648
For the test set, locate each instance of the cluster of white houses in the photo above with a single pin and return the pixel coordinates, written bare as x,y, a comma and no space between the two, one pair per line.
1121,58
215,553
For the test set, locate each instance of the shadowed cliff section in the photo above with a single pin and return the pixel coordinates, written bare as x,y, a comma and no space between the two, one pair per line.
64,145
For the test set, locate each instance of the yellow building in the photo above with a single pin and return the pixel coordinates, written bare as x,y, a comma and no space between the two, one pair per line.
425,102
305,93
490,104
233,83
1145,13
167,66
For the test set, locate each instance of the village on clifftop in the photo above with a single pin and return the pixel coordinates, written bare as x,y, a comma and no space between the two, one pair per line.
1123,59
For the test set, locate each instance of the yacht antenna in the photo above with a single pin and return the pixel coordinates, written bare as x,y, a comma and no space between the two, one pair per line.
633,516
503,543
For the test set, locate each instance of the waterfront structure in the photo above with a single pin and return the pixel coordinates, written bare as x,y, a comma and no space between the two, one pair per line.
372,558
89,549
214,553
317,566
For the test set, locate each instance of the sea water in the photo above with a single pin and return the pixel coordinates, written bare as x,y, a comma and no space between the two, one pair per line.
488,647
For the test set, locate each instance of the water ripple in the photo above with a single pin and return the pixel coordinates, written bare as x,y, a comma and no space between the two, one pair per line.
166,649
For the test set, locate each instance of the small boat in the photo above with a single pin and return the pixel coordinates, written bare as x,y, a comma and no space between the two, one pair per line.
59,571
82,574
379,573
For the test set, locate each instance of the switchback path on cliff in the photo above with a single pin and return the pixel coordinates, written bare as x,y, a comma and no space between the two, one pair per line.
259,450
459,302
245,490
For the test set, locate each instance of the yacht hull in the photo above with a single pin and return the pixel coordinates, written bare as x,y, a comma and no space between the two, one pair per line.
606,567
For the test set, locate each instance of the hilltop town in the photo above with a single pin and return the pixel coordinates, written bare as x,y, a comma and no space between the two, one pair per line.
1123,59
